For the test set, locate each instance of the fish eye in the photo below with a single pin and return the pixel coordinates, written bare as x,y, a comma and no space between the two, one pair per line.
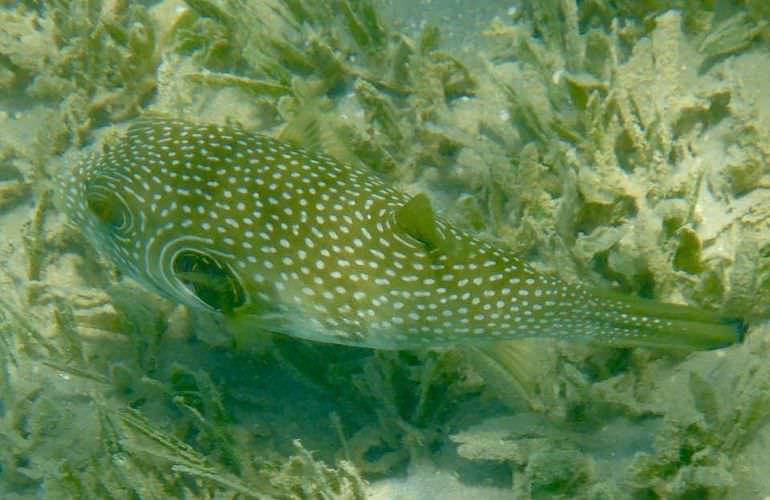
210,281
108,209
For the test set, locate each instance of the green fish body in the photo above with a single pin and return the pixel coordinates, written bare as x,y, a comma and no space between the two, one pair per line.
276,237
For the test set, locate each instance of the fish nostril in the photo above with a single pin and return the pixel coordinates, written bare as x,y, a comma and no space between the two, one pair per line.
210,281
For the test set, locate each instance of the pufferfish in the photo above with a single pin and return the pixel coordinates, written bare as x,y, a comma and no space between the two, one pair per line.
275,237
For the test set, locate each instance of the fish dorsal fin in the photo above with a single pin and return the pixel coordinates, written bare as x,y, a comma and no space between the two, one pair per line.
417,219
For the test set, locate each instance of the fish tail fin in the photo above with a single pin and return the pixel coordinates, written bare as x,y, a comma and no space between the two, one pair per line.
648,323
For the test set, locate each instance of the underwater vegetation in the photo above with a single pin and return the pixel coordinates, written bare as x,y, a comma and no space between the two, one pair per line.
621,144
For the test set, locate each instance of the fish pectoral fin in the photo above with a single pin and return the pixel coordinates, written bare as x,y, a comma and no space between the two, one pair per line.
417,219
153,120
259,314
271,322
247,322
303,130
252,331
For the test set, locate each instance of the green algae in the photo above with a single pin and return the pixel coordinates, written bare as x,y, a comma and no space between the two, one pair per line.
633,131
78,400
97,61
615,143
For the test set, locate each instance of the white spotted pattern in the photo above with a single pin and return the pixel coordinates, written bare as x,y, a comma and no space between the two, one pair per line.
314,242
